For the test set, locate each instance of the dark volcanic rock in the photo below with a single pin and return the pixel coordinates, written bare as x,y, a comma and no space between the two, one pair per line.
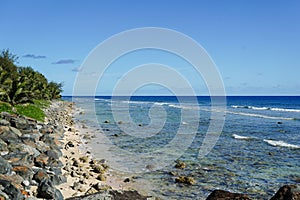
225,195
112,195
287,192
10,190
46,190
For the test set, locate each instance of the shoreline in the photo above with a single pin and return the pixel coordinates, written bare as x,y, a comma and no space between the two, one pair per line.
80,164
48,160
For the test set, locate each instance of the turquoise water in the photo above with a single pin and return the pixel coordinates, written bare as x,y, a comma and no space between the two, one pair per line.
257,151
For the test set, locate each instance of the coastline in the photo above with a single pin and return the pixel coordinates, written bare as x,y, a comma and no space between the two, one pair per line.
48,160
81,168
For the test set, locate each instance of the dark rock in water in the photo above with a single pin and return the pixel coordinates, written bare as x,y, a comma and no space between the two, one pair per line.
185,179
5,167
279,122
225,195
10,190
126,180
287,192
180,164
46,190
112,195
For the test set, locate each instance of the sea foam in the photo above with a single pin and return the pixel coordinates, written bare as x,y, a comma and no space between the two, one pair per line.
280,143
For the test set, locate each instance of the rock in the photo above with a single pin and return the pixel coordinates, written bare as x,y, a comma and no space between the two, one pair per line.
16,131
173,173
99,187
58,179
3,147
111,194
41,160
185,179
23,171
26,183
16,148
8,136
10,190
5,167
74,174
180,164
46,190
101,177
279,122
72,129
40,175
91,190
126,180
84,159
70,144
98,168
4,122
53,153
287,192
225,195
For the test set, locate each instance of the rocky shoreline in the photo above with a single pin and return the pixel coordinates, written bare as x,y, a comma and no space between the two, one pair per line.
45,160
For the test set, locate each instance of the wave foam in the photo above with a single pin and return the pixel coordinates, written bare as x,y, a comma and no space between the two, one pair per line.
282,144
239,137
267,108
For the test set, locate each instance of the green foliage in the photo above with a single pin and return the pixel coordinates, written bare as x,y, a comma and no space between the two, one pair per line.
31,110
23,84
5,107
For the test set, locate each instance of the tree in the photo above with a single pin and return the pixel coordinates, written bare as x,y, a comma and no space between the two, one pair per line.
23,84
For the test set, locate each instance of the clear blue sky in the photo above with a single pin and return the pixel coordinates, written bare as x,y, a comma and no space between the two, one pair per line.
254,43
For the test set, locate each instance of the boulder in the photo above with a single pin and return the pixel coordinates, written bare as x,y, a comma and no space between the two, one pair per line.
46,190
225,195
10,190
24,171
3,147
40,175
186,180
5,167
287,192
113,194
180,164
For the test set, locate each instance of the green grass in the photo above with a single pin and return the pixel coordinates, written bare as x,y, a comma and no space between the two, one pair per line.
29,110
5,107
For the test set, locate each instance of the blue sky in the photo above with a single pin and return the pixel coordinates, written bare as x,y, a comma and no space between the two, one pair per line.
255,44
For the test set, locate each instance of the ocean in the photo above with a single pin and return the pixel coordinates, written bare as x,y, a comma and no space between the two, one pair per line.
256,151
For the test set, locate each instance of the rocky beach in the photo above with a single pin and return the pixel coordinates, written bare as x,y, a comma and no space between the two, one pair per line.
44,160
47,160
